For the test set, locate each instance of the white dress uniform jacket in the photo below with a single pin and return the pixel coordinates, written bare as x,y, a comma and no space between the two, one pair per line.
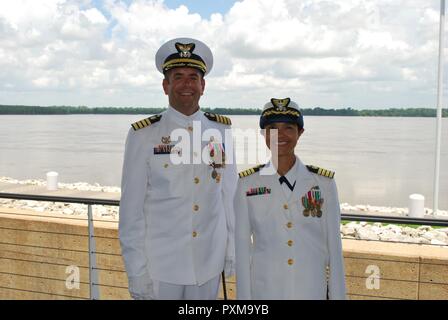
289,253
176,221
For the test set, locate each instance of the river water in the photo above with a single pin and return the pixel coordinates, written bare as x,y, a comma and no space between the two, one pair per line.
378,161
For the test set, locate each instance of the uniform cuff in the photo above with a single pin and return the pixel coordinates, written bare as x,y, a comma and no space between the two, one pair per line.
141,287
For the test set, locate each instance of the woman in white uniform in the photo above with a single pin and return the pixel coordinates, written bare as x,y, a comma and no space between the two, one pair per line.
288,244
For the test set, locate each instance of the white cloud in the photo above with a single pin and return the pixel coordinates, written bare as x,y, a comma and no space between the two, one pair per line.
322,53
44,82
95,16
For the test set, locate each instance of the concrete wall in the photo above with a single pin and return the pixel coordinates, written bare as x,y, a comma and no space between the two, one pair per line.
407,271
37,250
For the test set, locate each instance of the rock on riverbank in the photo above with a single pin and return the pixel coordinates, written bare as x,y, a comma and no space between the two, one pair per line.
352,230
378,231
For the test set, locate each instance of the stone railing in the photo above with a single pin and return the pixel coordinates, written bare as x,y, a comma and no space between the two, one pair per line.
46,257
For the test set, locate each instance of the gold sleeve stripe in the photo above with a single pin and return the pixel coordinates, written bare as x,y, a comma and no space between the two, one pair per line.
223,120
250,171
218,118
243,174
145,122
320,171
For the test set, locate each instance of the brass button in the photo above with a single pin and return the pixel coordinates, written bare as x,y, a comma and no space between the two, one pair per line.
190,128
289,225
290,243
285,206
290,262
195,207
195,234
165,165
196,180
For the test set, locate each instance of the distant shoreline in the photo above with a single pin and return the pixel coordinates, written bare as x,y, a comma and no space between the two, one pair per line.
317,111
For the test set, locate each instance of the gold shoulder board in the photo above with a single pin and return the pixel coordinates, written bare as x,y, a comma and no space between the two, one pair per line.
218,118
146,122
250,171
321,171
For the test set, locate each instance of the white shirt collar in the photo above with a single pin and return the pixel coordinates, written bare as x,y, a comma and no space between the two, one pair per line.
291,175
183,119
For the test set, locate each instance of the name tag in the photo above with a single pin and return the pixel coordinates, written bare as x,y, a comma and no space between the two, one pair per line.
166,149
163,149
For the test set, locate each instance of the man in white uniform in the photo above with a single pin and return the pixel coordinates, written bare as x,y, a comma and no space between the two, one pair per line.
176,215
288,244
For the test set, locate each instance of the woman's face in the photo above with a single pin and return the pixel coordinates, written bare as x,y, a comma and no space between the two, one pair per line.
283,137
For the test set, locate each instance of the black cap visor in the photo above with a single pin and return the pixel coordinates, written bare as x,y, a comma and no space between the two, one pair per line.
264,121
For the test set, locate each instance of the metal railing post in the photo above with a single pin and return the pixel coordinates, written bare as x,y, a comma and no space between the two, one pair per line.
439,107
93,273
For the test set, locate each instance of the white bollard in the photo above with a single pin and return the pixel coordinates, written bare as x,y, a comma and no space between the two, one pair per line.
52,181
416,205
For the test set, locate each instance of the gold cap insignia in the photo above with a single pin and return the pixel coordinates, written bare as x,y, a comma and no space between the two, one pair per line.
184,50
280,104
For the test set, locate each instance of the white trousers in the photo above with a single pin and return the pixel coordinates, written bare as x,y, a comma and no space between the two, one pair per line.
169,291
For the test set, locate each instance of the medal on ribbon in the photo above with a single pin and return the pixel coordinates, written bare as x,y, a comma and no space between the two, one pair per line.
217,158
312,202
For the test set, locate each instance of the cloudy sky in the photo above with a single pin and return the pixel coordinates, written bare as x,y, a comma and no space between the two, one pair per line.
332,54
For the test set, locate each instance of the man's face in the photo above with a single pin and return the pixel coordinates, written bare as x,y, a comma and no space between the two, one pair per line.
284,136
184,87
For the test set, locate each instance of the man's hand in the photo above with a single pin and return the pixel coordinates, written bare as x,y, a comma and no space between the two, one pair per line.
141,288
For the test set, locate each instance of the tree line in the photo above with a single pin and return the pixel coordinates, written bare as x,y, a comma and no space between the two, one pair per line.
317,111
